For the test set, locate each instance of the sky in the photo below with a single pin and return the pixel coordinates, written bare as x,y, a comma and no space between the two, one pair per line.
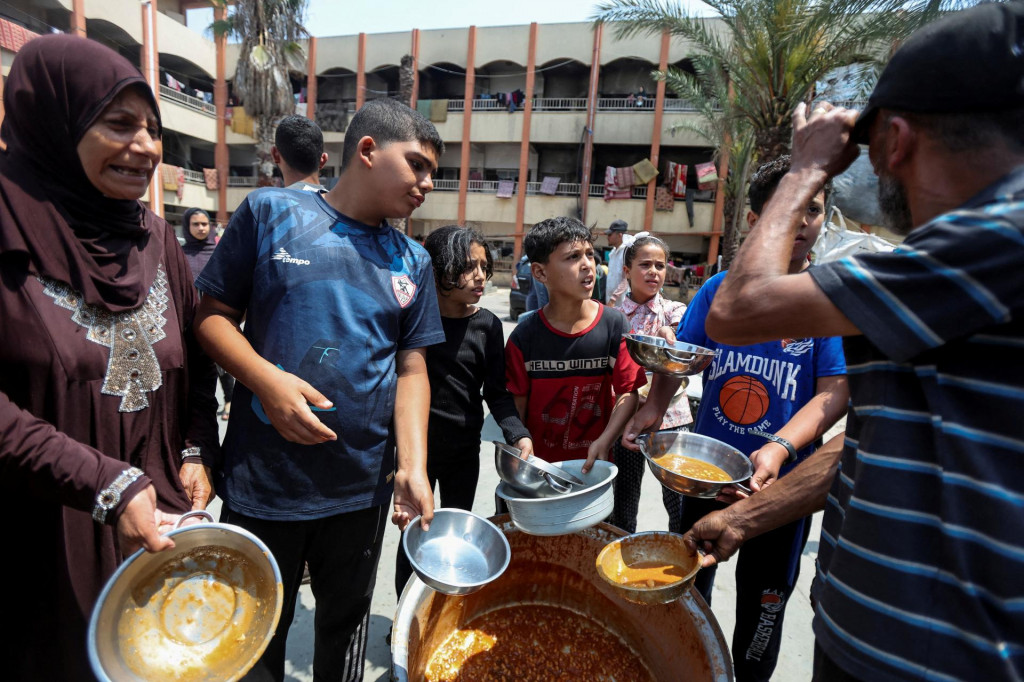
348,17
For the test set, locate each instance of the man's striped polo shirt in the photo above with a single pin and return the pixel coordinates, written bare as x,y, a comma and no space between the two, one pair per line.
921,562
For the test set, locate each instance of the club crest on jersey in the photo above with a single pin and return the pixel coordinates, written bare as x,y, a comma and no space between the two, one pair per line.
404,288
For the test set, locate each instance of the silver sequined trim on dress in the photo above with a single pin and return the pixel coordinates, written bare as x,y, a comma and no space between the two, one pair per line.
133,368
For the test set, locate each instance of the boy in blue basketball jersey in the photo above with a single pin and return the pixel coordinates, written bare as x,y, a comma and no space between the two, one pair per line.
330,414
773,401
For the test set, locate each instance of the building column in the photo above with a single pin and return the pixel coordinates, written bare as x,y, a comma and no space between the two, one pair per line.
588,133
148,55
78,18
718,216
311,81
361,73
467,114
221,156
415,68
659,116
524,144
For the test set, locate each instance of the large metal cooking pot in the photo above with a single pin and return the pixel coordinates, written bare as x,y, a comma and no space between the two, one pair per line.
202,610
678,640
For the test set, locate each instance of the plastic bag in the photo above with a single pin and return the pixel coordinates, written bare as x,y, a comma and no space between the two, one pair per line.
836,241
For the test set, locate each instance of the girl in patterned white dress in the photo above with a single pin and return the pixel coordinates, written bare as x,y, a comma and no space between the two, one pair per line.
645,265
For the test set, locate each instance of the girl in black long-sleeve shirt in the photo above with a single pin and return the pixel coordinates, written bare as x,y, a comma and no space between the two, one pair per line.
472,357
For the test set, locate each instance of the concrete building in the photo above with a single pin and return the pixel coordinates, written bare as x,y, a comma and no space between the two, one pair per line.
594,105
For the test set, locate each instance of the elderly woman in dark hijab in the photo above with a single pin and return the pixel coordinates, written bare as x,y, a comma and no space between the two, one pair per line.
107,413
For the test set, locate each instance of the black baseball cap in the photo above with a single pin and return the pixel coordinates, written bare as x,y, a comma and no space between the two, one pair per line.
969,61
617,226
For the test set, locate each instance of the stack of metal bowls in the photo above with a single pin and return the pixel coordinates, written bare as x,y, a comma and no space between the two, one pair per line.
567,512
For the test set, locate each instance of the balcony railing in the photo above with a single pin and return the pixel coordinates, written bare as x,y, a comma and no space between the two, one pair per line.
242,180
550,104
195,177
200,105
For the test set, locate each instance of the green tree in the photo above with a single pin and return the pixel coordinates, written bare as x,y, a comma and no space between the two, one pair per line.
269,32
758,59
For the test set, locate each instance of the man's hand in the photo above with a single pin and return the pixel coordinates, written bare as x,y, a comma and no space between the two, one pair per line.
195,478
413,497
823,140
646,418
141,522
719,535
286,399
525,445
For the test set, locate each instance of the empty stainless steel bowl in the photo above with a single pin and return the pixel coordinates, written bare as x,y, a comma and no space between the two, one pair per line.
674,359
704,448
532,477
459,554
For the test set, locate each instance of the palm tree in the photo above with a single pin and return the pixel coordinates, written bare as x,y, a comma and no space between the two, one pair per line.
269,31
760,58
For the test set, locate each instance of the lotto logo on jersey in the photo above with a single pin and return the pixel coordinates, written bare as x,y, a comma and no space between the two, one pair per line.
404,288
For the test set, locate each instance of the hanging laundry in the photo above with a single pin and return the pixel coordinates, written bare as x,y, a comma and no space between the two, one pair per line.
505,188
549,185
611,189
677,179
179,176
210,176
169,177
438,110
624,177
644,171
241,123
707,176
423,107
663,200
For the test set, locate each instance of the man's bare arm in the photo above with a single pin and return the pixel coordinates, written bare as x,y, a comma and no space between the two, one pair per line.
758,301
801,492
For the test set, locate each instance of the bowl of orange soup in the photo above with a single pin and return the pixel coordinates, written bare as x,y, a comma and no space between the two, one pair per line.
648,568
694,465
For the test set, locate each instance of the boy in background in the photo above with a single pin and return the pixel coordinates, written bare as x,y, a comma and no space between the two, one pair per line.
574,382
331,406
773,401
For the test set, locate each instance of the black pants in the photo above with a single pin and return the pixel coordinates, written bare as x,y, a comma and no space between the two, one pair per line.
455,477
227,383
342,552
627,491
767,569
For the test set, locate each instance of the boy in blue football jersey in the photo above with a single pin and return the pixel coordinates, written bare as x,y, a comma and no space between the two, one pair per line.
330,413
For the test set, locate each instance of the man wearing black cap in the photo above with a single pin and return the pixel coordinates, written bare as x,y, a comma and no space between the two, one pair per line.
922,545
619,240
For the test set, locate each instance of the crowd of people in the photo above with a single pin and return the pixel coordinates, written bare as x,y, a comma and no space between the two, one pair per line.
361,361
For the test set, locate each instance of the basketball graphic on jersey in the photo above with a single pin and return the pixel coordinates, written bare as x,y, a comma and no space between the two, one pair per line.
743,400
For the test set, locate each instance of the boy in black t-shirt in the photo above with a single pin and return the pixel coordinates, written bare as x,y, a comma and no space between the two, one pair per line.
573,379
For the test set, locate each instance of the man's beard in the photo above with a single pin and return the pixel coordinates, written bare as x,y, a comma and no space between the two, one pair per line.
892,200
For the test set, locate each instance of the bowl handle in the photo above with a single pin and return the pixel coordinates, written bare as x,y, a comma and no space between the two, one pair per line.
200,513
642,440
